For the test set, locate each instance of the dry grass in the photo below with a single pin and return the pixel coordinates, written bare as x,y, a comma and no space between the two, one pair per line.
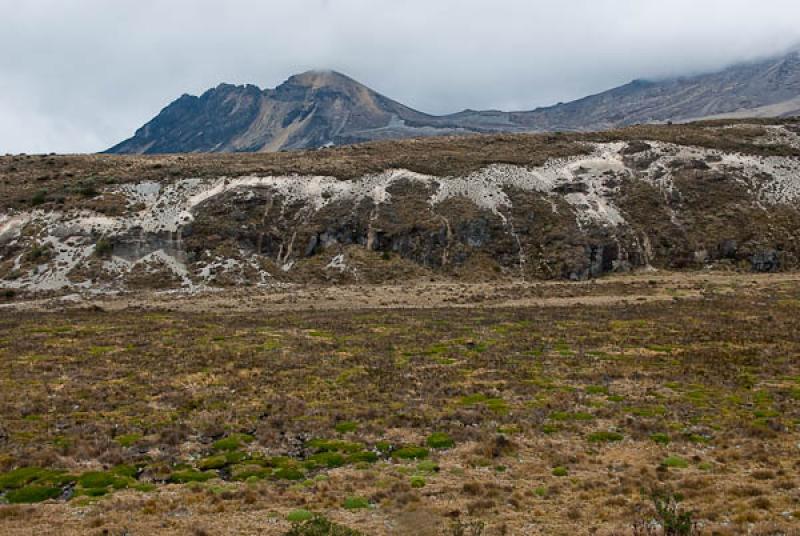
562,417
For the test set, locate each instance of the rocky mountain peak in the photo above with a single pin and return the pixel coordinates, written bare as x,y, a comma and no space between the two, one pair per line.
320,108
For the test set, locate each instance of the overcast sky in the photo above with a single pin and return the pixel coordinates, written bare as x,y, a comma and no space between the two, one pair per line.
81,75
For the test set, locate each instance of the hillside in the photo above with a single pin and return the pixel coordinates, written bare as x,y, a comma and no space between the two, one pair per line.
500,207
323,108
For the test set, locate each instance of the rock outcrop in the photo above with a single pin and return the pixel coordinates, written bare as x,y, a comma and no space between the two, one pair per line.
622,206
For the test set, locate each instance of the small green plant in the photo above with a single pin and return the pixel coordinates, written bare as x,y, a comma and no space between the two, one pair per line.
410,453
417,482
38,253
232,442
660,438
288,473
212,462
675,462
497,405
39,198
346,426
604,437
560,471
103,247
327,459
32,494
550,428
99,479
190,475
128,440
299,515
669,515
363,456
427,467
23,476
440,440
355,503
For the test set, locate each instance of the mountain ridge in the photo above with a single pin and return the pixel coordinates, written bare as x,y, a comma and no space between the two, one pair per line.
320,108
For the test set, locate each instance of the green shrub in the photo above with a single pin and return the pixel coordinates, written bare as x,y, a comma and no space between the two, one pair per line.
232,442
39,198
346,426
363,456
471,400
87,188
427,467
675,462
355,503
98,479
190,475
29,475
560,471
673,521
660,438
213,462
128,440
497,405
32,494
327,459
288,473
410,453
333,445
604,437
550,429
125,470
103,247
439,440
301,514
246,472
417,482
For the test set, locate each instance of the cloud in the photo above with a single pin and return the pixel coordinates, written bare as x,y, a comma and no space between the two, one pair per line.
81,75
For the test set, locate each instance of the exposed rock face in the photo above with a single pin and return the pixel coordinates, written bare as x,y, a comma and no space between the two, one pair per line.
321,108
623,206
309,110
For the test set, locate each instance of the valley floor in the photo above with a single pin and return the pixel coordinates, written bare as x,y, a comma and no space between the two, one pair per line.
541,408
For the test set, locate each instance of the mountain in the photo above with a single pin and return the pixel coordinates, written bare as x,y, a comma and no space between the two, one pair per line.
324,108
309,110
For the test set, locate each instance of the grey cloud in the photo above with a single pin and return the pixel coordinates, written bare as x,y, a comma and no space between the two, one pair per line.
80,75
